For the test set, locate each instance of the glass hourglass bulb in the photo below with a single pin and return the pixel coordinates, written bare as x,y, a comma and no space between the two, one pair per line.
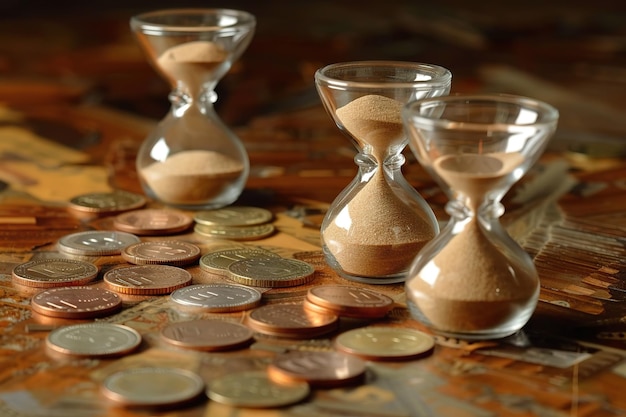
377,224
473,280
192,159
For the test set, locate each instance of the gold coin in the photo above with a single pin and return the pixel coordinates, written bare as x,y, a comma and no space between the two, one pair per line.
217,262
271,272
235,232
255,389
234,216
106,203
152,386
47,273
98,339
161,252
385,343
147,279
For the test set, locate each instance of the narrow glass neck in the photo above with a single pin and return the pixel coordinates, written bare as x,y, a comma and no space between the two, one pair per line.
182,101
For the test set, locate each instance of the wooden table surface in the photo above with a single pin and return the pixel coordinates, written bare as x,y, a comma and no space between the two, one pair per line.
71,122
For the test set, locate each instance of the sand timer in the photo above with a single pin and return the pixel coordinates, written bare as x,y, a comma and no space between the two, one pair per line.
192,159
375,227
473,280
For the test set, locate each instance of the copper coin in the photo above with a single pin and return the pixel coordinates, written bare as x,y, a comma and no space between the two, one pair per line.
96,242
290,321
350,301
107,203
385,343
217,262
217,298
271,272
152,222
48,273
321,369
94,339
152,386
207,335
254,389
76,302
147,279
234,216
163,252
256,232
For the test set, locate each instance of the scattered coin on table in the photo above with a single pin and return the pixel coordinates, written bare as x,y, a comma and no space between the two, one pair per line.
96,242
320,369
217,262
106,203
99,339
254,389
76,302
385,343
152,386
235,232
153,222
147,279
234,216
348,301
217,298
161,252
58,272
207,335
290,321
271,272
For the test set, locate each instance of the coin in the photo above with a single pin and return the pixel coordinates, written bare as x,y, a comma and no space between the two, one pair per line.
76,302
152,386
217,262
235,232
271,272
152,222
47,273
106,203
162,252
217,298
207,335
94,339
290,321
234,216
385,343
349,301
255,389
96,242
147,279
321,369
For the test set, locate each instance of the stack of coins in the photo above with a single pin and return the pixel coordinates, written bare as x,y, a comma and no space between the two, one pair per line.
348,301
235,223
291,321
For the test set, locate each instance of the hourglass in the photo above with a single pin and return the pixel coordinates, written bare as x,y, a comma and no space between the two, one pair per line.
473,280
375,227
192,159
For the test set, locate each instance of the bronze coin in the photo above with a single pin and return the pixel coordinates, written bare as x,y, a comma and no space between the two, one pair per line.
349,301
147,279
152,222
271,272
48,273
106,203
321,369
76,302
207,335
290,321
163,252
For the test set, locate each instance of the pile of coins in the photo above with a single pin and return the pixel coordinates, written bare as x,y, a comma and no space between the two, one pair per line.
156,267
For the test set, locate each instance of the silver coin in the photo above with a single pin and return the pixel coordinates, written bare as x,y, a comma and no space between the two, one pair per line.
94,339
256,390
96,243
152,386
217,262
235,232
234,216
217,298
271,272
